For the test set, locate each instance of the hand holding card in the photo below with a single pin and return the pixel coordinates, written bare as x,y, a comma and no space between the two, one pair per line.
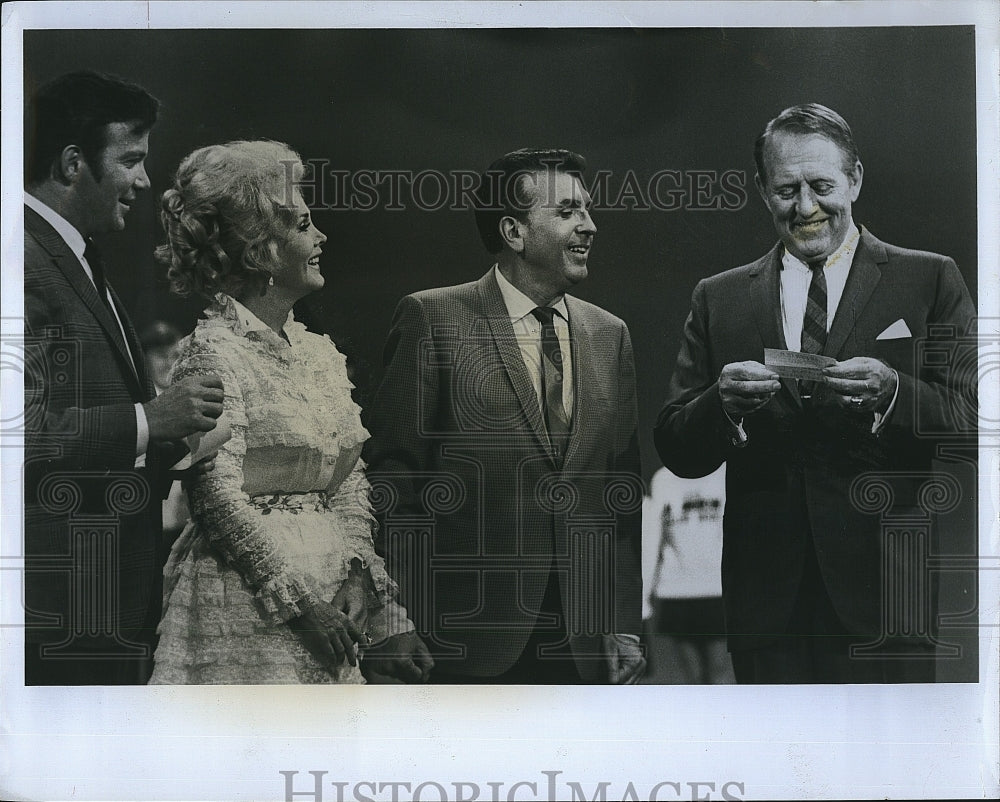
796,365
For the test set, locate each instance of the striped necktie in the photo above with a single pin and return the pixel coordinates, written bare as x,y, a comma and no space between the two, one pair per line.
556,419
814,321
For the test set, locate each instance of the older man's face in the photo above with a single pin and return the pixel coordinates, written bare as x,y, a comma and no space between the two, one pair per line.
809,193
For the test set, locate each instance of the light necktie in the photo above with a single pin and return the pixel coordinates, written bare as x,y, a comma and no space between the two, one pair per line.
814,321
556,419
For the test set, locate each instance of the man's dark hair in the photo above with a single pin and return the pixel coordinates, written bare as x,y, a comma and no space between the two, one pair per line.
809,118
73,109
502,191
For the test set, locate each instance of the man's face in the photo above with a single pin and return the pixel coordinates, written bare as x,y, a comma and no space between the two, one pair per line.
107,190
557,231
809,193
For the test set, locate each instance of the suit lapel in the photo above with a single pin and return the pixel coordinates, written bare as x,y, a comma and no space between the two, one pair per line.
134,347
67,263
765,302
510,354
861,282
585,374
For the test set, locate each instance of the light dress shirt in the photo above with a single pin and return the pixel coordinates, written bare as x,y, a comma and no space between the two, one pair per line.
528,331
796,276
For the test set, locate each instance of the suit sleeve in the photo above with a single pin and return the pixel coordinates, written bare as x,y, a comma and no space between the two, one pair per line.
942,397
402,413
629,517
691,432
72,437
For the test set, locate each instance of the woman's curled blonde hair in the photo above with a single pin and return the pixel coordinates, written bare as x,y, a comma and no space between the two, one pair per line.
230,208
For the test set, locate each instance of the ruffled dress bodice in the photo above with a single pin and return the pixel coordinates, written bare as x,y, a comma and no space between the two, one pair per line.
277,523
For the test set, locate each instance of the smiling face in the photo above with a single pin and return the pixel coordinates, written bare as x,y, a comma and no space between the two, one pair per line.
809,191
557,231
105,191
297,272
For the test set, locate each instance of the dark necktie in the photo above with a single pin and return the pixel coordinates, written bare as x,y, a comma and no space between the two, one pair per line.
93,256
814,321
556,419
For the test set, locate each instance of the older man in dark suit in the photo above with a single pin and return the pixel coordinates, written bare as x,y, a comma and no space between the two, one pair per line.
98,440
504,451
813,583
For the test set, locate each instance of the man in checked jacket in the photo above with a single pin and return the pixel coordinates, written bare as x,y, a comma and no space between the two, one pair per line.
504,453
98,441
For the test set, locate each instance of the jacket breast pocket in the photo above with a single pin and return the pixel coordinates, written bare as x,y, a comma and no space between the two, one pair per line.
899,354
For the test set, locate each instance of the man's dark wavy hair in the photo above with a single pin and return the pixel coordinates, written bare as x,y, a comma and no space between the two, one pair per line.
502,193
73,109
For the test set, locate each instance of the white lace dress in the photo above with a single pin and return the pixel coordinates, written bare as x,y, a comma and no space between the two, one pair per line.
279,520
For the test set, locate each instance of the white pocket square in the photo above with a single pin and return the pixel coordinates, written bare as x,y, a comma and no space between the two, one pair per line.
897,331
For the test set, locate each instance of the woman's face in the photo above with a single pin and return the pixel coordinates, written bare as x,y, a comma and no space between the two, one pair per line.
297,270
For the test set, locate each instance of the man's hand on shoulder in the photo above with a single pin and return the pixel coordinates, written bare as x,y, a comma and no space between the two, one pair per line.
192,405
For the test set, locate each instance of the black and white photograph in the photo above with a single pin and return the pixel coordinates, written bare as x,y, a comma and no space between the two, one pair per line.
551,347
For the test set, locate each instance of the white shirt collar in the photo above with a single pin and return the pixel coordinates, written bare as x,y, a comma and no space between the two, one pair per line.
518,304
73,238
845,253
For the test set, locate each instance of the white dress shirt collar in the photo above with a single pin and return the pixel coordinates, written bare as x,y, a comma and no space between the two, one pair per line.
73,238
527,331
518,304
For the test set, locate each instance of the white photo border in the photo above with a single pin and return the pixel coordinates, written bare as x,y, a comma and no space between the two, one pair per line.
232,743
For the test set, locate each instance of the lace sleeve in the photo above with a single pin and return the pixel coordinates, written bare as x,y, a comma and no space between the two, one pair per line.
386,617
352,503
224,512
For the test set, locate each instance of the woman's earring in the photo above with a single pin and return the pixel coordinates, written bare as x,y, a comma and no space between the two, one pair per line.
270,282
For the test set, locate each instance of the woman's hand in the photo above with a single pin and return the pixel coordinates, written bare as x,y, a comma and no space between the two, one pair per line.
351,599
329,634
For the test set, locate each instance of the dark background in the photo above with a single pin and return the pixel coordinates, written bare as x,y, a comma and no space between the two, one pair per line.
639,99
644,100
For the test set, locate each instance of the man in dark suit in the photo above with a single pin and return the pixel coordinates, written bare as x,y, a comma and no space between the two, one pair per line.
811,575
98,441
504,451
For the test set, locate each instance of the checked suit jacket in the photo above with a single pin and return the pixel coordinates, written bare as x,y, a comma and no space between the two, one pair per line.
92,529
475,511
816,470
